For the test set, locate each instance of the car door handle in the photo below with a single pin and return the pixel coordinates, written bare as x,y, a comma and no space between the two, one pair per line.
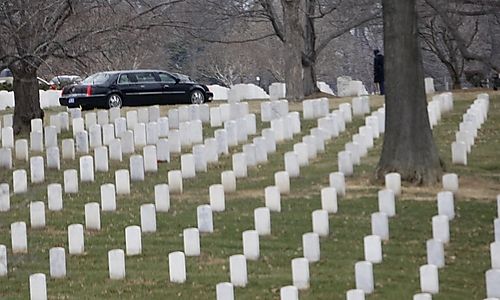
166,86
143,86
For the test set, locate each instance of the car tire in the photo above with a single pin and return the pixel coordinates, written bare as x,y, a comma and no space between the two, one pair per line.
197,97
114,100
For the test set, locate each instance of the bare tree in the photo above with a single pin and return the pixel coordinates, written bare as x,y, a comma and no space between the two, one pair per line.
409,146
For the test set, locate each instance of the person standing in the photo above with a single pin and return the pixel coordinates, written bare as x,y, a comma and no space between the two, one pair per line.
378,71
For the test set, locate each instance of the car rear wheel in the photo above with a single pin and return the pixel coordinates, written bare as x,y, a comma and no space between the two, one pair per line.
197,97
114,100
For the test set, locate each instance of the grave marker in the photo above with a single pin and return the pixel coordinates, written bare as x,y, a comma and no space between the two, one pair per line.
177,267
116,264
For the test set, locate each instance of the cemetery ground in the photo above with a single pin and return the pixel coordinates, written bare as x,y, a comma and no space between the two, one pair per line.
397,277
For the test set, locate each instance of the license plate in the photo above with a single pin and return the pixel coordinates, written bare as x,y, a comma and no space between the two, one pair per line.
71,100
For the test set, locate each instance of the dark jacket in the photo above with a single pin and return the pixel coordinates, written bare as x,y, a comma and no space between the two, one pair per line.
378,68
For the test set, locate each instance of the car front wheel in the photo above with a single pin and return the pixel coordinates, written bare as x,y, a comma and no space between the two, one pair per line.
114,100
197,97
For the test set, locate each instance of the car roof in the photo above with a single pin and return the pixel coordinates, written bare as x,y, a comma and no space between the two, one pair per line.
134,71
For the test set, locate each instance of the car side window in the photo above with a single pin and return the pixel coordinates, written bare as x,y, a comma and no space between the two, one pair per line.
166,78
125,79
145,77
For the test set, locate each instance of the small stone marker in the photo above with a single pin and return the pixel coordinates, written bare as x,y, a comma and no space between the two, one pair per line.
441,228
3,261
493,283
495,255
262,220
311,246
116,264
175,181
496,225
38,287
422,296
191,241
122,182
429,279
251,246
205,218
393,182
459,153
216,195
282,181
239,165
127,142
364,276
345,163
150,159
289,292
108,134
37,169
76,240
54,196
87,168
380,225
133,240
22,150
95,136
101,159
329,199
4,197
302,152
37,214
292,164
387,202
57,258
177,267
228,181
320,223
148,218
6,158
435,253
68,149
355,295
82,142
136,168
20,181
446,204
250,154
53,158
450,182
188,166
337,181
163,150
300,273
224,291
19,238
238,270
373,249
70,181
272,198
92,216
108,197
162,197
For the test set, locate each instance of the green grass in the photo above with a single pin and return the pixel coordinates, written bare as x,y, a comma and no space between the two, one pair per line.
467,256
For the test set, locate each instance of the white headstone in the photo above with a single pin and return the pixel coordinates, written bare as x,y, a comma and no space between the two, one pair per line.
37,214
200,158
116,264
373,249
459,153
68,149
148,218
493,283
133,240
292,164
3,261
7,137
101,159
132,119
37,169
162,198
108,133
175,181
22,150
262,220
115,150
435,253
188,166
36,141
136,168
92,216
225,291
337,181
54,197
70,181
163,150
495,255
76,241
57,259
191,241
446,204
140,135
216,195
19,238
102,117
86,168
6,158
152,134
4,197
238,270
239,165
127,142
82,142
387,202
251,246
53,158
320,222
300,273
38,287
20,181
345,163
272,198
177,267
205,218
355,295
250,154
380,225
50,136
393,182
311,246
289,292
95,136
441,228
228,180
108,197
329,199
422,296
120,126
450,182
429,279
282,181
364,276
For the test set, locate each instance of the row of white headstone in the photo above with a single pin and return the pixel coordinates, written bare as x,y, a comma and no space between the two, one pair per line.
472,121
492,276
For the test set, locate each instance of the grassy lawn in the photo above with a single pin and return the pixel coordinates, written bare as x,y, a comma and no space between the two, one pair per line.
397,277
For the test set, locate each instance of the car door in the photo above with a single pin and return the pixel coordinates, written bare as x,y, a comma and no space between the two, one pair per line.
127,85
173,90
149,89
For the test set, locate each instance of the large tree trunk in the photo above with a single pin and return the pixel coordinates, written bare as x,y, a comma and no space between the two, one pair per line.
293,50
409,146
27,98
309,57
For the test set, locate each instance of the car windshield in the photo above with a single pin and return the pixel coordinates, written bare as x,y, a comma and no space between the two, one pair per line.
98,78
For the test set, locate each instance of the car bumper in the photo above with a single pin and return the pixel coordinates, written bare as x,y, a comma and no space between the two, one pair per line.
83,101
